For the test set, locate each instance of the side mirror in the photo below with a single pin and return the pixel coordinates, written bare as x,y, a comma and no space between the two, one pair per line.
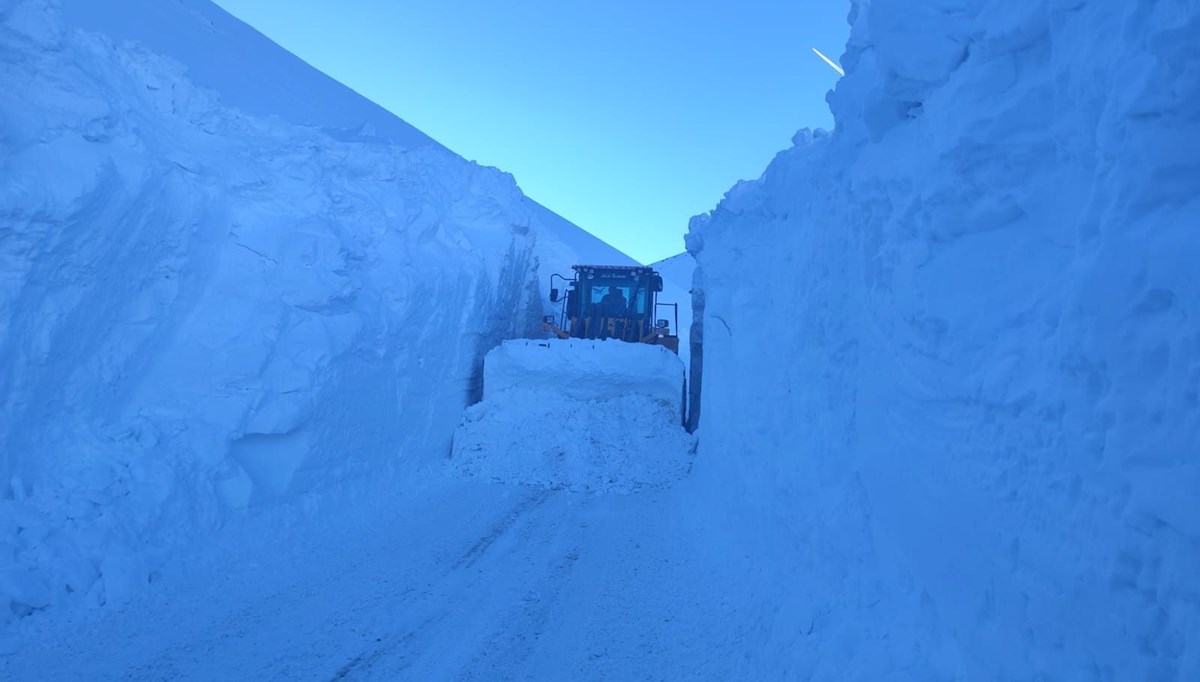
554,295
548,319
656,284
662,324
572,303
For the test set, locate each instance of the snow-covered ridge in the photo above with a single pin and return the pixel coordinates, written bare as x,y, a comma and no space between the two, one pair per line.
951,351
204,311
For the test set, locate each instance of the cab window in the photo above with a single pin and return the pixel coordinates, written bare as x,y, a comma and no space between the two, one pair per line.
599,291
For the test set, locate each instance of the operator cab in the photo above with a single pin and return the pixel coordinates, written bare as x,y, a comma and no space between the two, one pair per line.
613,302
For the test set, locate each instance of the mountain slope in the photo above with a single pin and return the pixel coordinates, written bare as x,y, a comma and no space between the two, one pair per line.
245,68
251,73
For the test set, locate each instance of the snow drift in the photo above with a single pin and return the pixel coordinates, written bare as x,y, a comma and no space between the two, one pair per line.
585,415
951,352
204,310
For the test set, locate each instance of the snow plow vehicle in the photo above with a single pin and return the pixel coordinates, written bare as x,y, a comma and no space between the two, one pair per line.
613,302
598,407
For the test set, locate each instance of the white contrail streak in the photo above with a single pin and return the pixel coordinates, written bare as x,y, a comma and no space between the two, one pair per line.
830,62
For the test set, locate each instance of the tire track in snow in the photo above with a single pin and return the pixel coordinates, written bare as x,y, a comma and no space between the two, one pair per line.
514,637
395,646
501,527
460,580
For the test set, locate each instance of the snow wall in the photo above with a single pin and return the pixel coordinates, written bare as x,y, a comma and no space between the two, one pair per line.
952,358
204,312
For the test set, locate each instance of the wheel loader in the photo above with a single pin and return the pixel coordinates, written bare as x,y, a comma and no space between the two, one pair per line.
598,409
612,302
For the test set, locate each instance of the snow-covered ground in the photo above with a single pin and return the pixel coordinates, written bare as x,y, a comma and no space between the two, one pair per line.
950,425
444,579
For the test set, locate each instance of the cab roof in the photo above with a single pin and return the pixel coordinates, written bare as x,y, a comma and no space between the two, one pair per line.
631,269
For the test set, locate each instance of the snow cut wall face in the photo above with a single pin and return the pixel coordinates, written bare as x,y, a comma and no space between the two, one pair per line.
204,311
970,432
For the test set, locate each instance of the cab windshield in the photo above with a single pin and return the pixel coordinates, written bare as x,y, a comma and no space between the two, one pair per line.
629,295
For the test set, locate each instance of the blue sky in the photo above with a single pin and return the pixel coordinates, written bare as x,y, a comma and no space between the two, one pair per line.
625,117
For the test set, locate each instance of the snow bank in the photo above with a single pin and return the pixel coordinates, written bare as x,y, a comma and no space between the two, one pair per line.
596,416
205,312
951,352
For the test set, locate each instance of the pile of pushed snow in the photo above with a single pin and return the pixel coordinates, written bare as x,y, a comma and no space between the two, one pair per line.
583,369
595,416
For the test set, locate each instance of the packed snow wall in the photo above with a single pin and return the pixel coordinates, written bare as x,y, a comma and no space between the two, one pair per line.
202,311
951,351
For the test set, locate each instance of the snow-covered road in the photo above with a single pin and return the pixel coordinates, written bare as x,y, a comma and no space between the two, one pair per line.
456,580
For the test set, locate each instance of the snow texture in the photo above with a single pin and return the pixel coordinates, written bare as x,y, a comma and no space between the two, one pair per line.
951,353
214,298
584,415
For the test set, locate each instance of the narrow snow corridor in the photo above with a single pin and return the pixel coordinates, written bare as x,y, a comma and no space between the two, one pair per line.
945,361
455,580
